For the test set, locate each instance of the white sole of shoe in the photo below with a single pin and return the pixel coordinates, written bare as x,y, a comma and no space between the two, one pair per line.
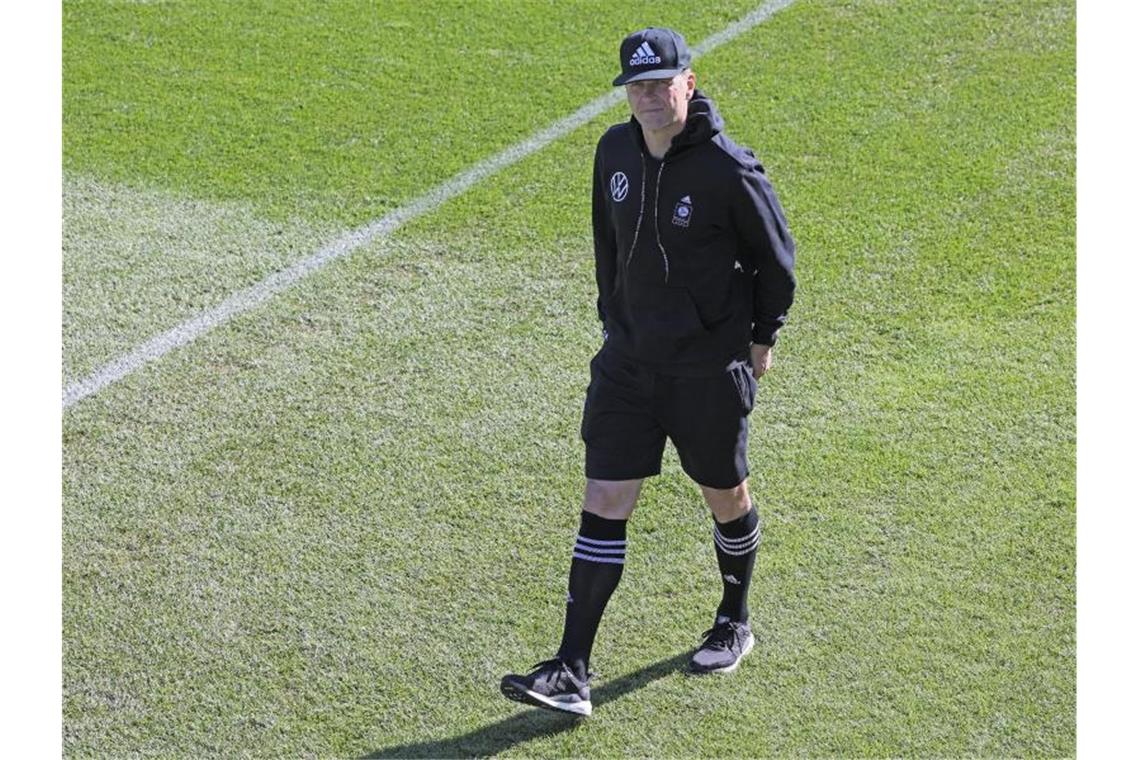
577,707
519,693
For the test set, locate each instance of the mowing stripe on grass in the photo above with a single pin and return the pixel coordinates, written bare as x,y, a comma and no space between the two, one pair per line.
255,295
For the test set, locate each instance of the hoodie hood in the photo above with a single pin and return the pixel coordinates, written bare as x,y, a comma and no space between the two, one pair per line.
703,123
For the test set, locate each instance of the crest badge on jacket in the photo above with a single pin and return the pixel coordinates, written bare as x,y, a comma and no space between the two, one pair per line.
683,212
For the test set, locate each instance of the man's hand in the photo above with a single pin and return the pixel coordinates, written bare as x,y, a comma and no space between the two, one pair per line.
761,359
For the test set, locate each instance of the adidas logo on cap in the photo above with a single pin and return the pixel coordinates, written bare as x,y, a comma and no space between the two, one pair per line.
643,55
650,53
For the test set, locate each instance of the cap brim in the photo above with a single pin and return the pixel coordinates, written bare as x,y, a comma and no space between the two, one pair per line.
642,76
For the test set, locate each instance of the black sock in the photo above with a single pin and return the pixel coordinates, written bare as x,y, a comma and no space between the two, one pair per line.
599,556
736,543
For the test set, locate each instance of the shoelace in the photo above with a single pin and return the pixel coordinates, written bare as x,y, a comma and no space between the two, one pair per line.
557,663
721,636
551,663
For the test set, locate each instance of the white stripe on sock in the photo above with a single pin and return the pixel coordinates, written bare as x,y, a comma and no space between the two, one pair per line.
740,553
595,550
737,542
738,548
602,560
598,542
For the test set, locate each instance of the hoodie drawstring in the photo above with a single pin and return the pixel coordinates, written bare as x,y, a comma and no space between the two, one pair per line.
640,215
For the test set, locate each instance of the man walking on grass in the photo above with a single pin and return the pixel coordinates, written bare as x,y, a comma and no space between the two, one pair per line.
694,265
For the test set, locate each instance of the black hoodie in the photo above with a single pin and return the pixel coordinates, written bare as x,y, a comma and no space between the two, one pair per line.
694,258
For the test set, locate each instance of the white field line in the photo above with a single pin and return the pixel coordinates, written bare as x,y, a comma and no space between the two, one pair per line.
251,297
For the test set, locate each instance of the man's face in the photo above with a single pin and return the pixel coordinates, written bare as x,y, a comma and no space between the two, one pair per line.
661,103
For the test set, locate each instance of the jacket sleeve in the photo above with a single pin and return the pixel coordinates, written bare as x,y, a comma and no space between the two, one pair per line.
605,241
760,221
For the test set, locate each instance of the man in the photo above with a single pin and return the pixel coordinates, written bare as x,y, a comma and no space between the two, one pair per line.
694,265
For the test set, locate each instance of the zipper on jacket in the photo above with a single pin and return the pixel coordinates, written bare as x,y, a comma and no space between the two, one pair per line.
656,204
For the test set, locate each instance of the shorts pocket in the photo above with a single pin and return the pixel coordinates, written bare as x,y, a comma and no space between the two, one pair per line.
745,385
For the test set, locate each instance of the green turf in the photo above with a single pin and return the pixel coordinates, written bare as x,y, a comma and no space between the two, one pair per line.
139,262
340,110
328,527
186,122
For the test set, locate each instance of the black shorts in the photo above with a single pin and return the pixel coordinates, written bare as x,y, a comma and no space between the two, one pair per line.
630,410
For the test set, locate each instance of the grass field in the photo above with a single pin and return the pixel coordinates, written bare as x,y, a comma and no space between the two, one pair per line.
329,526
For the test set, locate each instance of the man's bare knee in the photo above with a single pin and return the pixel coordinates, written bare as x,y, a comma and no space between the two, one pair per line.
728,504
611,499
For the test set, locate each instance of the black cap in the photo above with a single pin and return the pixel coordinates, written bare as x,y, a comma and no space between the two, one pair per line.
653,53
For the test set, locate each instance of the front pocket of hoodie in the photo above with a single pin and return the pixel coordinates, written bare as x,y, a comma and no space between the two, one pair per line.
711,299
666,321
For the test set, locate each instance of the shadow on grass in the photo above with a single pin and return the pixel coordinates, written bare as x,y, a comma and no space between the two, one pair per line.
533,723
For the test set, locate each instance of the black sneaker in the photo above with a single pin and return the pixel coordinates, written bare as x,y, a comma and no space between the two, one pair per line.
551,685
724,647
